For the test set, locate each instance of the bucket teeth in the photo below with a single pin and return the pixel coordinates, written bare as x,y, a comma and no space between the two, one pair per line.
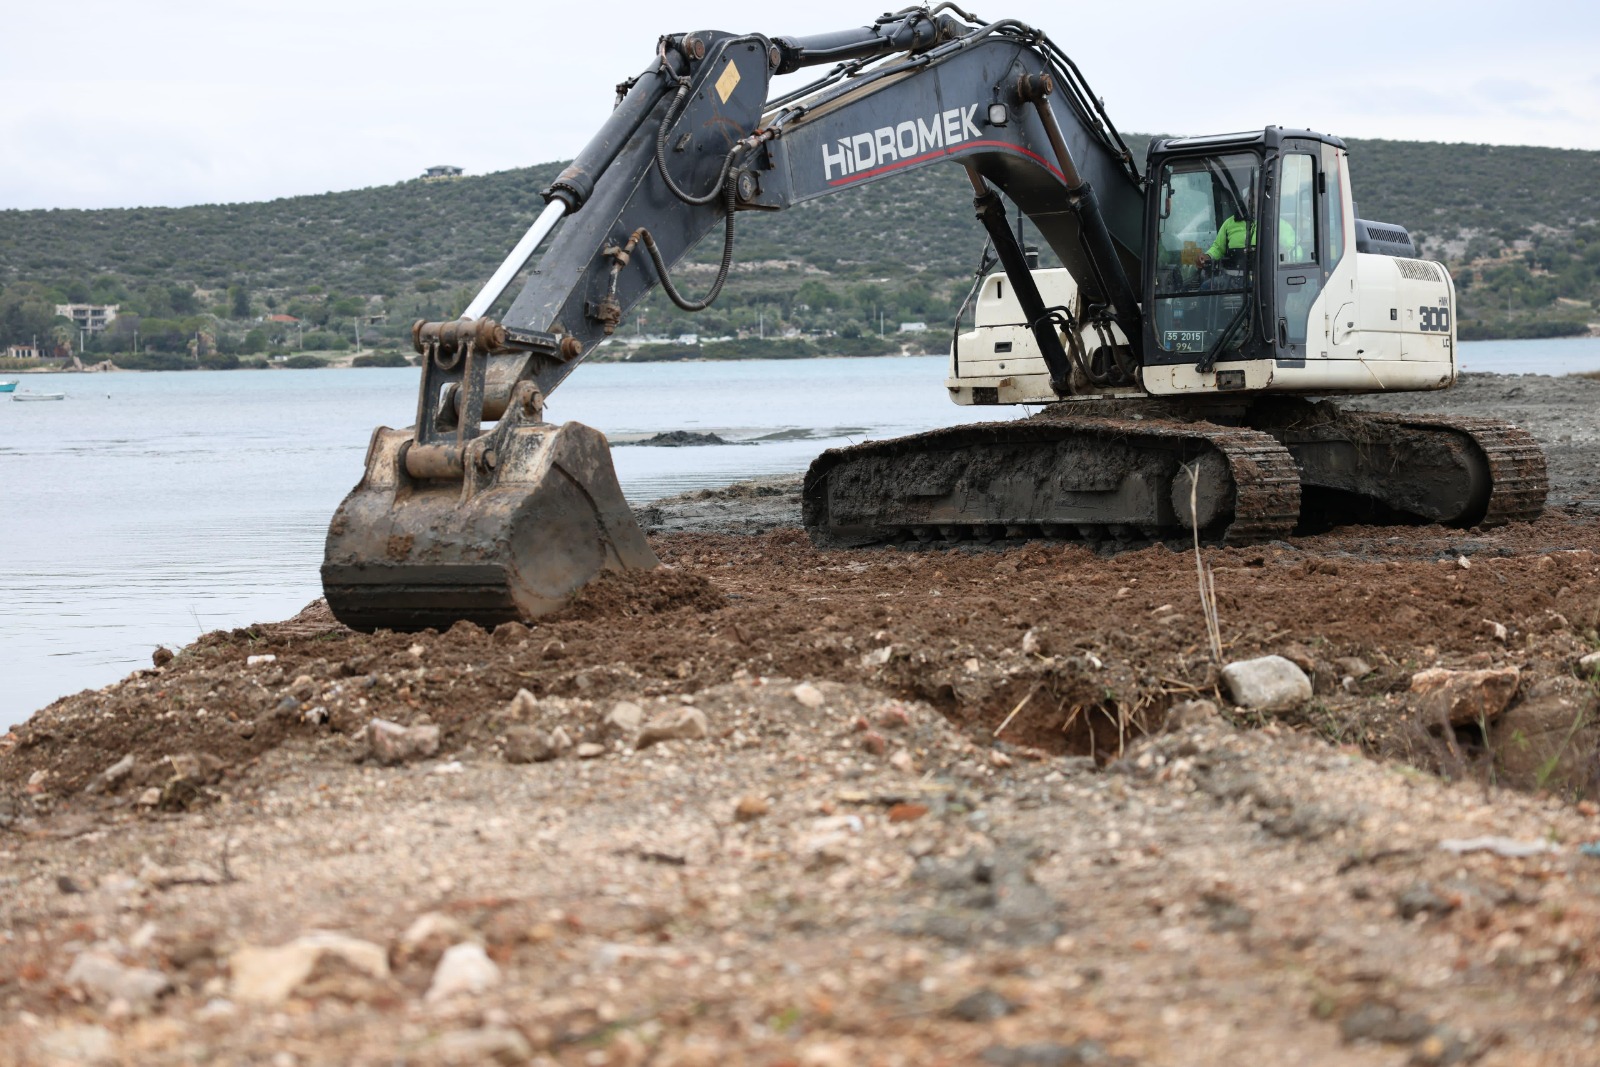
502,544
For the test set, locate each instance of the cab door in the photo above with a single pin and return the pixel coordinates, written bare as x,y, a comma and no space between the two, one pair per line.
1297,273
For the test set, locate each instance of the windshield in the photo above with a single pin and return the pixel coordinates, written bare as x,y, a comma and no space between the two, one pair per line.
1205,231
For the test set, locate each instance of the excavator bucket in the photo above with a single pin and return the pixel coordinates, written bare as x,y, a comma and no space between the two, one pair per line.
492,528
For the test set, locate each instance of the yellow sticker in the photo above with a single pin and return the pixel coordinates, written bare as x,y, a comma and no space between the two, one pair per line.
728,81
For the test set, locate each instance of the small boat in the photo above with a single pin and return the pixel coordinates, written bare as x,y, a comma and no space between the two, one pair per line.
38,396
8,387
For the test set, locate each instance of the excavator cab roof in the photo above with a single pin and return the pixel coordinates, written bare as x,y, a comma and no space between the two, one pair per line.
1270,137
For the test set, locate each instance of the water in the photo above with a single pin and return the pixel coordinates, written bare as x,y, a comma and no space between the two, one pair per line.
146,509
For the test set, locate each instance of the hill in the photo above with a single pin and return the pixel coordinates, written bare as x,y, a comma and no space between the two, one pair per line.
1518,227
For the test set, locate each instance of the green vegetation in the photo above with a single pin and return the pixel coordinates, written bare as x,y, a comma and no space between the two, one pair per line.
1519,228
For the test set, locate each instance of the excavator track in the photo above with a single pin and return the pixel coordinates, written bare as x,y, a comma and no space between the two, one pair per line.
1058,477
1518,480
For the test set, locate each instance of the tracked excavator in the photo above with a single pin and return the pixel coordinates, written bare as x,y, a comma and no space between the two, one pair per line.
1200,304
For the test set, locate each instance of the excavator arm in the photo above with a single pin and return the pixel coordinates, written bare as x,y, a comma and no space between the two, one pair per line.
456,519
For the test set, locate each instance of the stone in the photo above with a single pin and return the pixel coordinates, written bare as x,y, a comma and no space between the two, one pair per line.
1036,642
874,743
625,717
527,744
907,811
1549,740
590,750
1497,630
105,978
268,976
112,778
1270,683
1352,667
427,938
808,695
560,740
749,809
1373,1020
523,706
686,724
75,1044
389,742
498,1045
257,661
161,657
1187,713
1590,664
509,633
982,1006
903,762
464,968
1462,697
303,688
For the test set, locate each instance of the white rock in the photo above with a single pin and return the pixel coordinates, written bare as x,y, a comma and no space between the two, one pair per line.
113,776
271,975
464,968
590,750
104,977
1270,683
491,1044
389,742
625,716
523,706
877,657
560,740
75,1044
687,724
808,695
1496,630
1590,663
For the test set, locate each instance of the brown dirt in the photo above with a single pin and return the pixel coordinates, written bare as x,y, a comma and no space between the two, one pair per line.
1257,888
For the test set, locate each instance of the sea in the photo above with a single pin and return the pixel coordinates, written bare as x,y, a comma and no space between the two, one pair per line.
146,509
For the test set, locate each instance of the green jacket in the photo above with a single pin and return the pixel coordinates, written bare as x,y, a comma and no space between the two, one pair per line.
1231,235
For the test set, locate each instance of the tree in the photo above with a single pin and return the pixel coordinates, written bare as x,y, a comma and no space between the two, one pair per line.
239,302
255,342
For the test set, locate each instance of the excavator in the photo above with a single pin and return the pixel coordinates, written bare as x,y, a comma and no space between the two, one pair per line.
1182,353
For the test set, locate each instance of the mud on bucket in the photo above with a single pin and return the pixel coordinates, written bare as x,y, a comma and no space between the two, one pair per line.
508,532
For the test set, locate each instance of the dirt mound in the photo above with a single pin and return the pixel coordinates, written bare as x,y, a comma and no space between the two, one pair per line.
1073,652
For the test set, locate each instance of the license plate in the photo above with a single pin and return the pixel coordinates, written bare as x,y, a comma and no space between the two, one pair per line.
1184,340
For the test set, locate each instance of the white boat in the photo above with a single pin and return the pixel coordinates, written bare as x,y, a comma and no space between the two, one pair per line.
38,396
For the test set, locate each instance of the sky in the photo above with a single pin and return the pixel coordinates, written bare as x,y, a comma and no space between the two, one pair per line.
111,104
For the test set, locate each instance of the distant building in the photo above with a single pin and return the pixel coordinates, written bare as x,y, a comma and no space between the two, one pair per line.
23,352
443,172
913,327
91,317
289,319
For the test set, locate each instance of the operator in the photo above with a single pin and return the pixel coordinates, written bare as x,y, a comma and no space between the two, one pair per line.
1238,233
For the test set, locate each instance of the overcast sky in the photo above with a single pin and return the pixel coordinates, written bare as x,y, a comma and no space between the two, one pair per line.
112,104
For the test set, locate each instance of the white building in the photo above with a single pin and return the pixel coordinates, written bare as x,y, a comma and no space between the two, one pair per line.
91,317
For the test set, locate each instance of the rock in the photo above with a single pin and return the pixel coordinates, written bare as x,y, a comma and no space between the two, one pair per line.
1046,1054
156,876
1373,1020
527,744
874,743
389,742
982,1006
161,656
903,762
75,1044
808,695
1590,664
1549,740
1352,667
523,706
426,939
560,740
1300,656
1420,898
464,968
105,978
112,778
150,797
1036,642
907,812
625,717
1270,683
686,724
590,750
749,809
1496,630
303,688
509,633
257,661
1463,697
1187,713
271,975
499,1045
